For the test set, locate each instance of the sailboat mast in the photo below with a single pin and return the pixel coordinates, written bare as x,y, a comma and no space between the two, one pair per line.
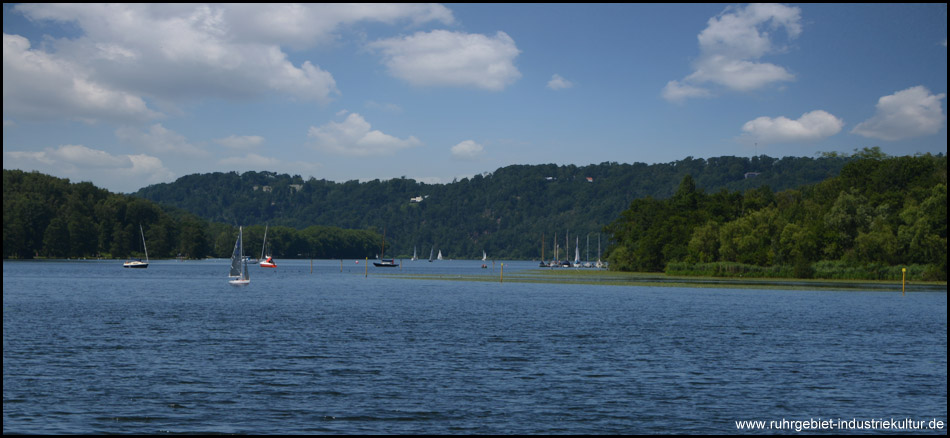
264,245
143,243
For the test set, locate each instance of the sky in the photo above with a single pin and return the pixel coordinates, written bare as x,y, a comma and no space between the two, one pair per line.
130,95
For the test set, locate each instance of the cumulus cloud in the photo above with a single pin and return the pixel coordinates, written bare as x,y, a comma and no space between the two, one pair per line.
467,150
128,54
306,25
444,58
81,163
676,91
355,136
38,85
811,126
909,113
559,83
730,49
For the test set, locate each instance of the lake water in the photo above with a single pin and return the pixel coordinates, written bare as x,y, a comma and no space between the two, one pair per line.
90,347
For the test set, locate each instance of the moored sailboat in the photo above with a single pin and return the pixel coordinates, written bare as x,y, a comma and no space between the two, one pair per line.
138,263
239,275
385,263
269,261
577,251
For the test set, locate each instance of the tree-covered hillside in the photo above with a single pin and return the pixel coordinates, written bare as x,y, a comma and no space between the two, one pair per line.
879,215
44,216
504,213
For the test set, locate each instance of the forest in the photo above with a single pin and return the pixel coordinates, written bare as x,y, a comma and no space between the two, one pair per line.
50,217
835,216
880,215
504,213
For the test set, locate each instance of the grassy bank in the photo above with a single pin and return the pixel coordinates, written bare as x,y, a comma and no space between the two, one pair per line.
612,278
826,270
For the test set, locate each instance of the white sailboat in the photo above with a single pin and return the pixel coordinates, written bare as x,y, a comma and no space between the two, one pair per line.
414,258
577,252
239,275
484,255
588,264
599,264
138,263
269,261
440,255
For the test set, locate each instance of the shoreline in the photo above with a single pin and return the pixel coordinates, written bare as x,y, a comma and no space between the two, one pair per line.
610,278
614,278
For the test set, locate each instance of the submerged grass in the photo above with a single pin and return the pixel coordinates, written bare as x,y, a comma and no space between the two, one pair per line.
613,278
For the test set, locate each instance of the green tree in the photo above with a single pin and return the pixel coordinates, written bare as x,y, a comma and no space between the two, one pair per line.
704,244
56,238
849,215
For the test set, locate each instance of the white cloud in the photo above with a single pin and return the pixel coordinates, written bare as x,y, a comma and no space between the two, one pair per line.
559,83
355,136
737,74
444,58
128,53
736,33
905,114
676,91
80,163
467,150
39,85
240,141
305,25
730,48
811,126
159,140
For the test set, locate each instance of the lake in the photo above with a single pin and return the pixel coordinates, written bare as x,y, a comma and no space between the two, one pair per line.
92,348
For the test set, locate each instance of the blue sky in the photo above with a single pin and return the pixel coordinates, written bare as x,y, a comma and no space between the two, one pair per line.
130,95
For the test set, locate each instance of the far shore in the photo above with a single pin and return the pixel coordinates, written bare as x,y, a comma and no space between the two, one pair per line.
654,279
615,278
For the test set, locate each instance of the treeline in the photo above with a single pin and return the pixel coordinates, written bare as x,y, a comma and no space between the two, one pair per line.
44,216
879,215
504,213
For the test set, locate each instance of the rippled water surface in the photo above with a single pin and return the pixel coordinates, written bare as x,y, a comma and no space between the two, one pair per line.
90,347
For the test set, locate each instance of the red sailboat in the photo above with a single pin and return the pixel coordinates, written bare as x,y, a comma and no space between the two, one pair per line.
269,261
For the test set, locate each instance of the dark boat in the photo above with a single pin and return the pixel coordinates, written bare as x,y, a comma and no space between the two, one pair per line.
385,263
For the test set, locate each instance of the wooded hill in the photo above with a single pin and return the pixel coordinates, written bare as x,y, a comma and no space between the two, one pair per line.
45,216
862,216
504,213
879,216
